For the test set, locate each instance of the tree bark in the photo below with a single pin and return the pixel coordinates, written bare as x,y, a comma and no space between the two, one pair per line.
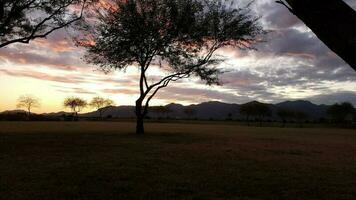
334,23
140,130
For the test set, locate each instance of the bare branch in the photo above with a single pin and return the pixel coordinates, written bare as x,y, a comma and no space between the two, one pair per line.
287,6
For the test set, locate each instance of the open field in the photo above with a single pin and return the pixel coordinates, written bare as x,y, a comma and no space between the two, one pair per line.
103,160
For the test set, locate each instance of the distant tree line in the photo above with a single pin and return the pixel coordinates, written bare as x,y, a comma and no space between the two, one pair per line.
339,114
75,104
255,110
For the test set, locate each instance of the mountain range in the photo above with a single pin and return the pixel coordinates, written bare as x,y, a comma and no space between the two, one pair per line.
212,110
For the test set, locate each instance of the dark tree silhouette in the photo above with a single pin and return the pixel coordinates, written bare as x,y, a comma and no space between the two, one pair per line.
190,112
248,111
262,111
300,117
76,104
160,110
100,104
255,109
180,36
285,115
333,21
28,102
340,112
24,20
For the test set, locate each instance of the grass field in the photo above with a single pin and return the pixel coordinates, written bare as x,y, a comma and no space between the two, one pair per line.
102,160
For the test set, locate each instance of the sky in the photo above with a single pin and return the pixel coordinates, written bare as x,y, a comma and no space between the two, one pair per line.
291,64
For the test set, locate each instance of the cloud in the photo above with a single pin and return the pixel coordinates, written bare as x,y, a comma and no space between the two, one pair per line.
121,91
43,76
76,91
292,63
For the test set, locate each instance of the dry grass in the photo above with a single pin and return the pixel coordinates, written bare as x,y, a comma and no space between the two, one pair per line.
93,160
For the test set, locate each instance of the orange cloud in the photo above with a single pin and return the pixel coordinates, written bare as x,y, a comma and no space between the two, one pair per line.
60,46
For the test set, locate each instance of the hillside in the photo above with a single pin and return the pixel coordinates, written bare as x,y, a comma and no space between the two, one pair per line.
210,110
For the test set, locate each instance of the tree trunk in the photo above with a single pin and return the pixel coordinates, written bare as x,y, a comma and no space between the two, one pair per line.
140,130
29,114
333,21
283,123
101,114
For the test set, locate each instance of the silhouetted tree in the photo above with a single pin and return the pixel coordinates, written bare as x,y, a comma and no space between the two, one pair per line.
247,110
76,104
255,109
180,36
340,112
24,20
28,102
263,111
285,114
100,104
300,117
190,112
333,21
161,110
229,116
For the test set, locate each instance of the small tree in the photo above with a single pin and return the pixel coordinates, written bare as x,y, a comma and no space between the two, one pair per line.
340,112
180,36
162,111
285,114
300,117
255,109
190,112
100,104
76,104
28,102
247,110
24,20
263,111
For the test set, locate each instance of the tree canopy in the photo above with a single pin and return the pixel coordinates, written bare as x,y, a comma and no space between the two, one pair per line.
28,102
340,112
76,104
100,104
179,36
24,20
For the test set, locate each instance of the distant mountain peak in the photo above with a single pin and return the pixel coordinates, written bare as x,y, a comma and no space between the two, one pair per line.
296,102
13,111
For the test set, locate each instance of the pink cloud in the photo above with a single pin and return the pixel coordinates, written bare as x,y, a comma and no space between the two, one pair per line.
43,76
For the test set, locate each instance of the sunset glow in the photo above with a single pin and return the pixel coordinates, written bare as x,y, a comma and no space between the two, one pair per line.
291,64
